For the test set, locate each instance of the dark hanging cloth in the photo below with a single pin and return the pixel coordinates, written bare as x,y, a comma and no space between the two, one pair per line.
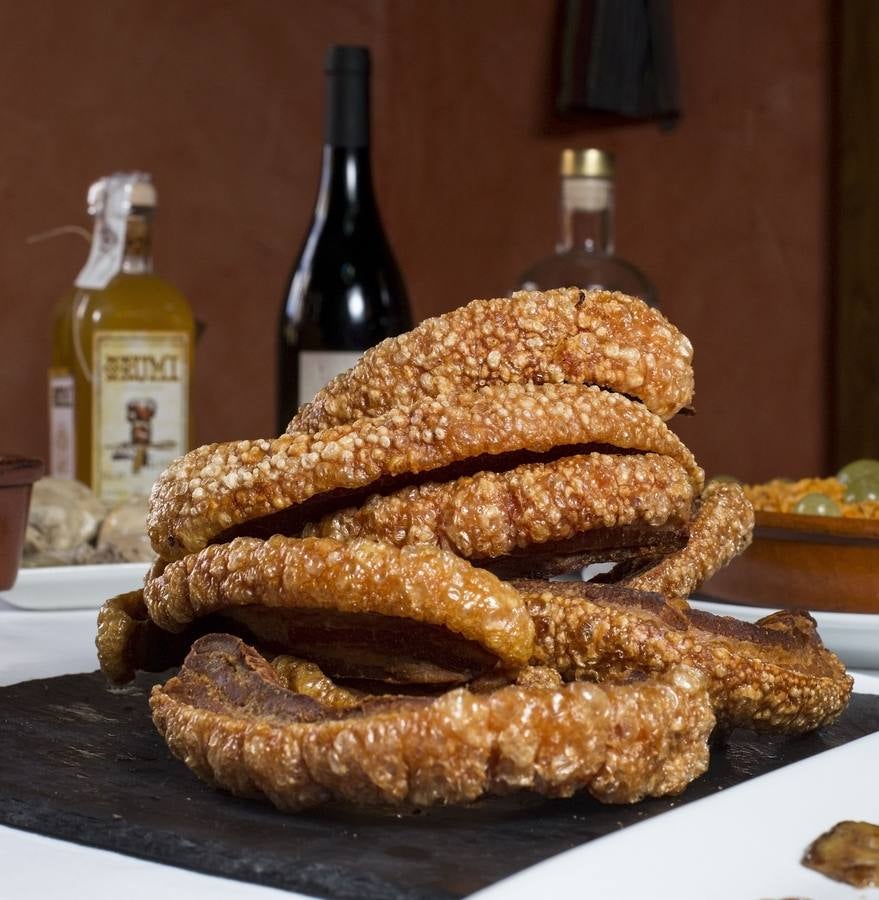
618,57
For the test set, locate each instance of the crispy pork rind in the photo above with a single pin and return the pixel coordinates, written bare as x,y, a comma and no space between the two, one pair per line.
721,529
775,675
393,611
230,719
489,515
563,336
127,641
303,677
260,488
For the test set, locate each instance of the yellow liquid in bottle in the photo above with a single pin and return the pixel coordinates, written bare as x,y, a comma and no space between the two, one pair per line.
122,354
132,346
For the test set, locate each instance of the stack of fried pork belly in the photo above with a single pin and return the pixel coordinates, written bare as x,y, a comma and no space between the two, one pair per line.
362,608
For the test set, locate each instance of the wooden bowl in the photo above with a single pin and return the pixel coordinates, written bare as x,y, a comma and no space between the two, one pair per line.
807,562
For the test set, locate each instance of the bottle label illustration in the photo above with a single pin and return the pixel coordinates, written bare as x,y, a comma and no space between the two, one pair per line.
140,387
317,367
62,428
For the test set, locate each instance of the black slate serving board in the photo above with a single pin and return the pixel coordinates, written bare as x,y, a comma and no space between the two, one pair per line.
82,762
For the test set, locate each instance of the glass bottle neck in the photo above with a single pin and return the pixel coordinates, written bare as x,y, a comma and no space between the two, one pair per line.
138,256
587,216
345,182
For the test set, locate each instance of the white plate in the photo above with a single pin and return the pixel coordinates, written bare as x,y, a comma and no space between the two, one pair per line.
853,637
73,587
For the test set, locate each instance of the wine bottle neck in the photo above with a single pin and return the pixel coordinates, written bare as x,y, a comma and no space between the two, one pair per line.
346,176
347,109
587,215
345,182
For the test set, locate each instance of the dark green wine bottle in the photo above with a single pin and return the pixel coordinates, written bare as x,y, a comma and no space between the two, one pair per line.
345,292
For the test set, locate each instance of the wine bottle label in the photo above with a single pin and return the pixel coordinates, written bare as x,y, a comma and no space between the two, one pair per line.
317,367
140,409
587,194
62,430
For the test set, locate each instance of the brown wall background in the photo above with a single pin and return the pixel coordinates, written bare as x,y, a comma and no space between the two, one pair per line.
223,103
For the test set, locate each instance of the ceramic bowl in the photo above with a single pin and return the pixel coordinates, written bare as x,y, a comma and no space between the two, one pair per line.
807,562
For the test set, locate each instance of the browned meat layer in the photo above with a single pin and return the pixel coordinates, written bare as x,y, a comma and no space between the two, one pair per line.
209,493
128,641
372,648
231,719
374,582
774,675
602,545
576,504
720,531
365,646
304,677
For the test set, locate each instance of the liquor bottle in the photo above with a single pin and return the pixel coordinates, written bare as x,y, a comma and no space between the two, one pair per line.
345,292
122,353
585,255
62,413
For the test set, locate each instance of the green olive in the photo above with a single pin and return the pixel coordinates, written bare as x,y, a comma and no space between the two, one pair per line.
817,505
858,469
864,488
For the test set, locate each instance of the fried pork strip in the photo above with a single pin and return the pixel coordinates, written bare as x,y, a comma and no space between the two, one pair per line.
260,488
573,336
365,608
490,515
303,677
230,719
721,529
128,641
775,675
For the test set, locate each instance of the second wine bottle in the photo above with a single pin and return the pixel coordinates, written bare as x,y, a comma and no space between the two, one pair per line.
345,292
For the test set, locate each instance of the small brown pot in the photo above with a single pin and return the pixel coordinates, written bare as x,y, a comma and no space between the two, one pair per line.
17,475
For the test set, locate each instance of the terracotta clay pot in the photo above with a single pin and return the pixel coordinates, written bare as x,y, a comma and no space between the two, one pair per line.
806,562
17,475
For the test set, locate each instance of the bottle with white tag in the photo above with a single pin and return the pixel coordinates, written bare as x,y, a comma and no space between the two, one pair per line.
585,255
121,372
345,292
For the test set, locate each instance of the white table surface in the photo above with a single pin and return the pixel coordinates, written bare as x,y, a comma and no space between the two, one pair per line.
43,644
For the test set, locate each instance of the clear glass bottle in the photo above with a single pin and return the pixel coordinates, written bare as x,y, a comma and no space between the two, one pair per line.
585,255
124,341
